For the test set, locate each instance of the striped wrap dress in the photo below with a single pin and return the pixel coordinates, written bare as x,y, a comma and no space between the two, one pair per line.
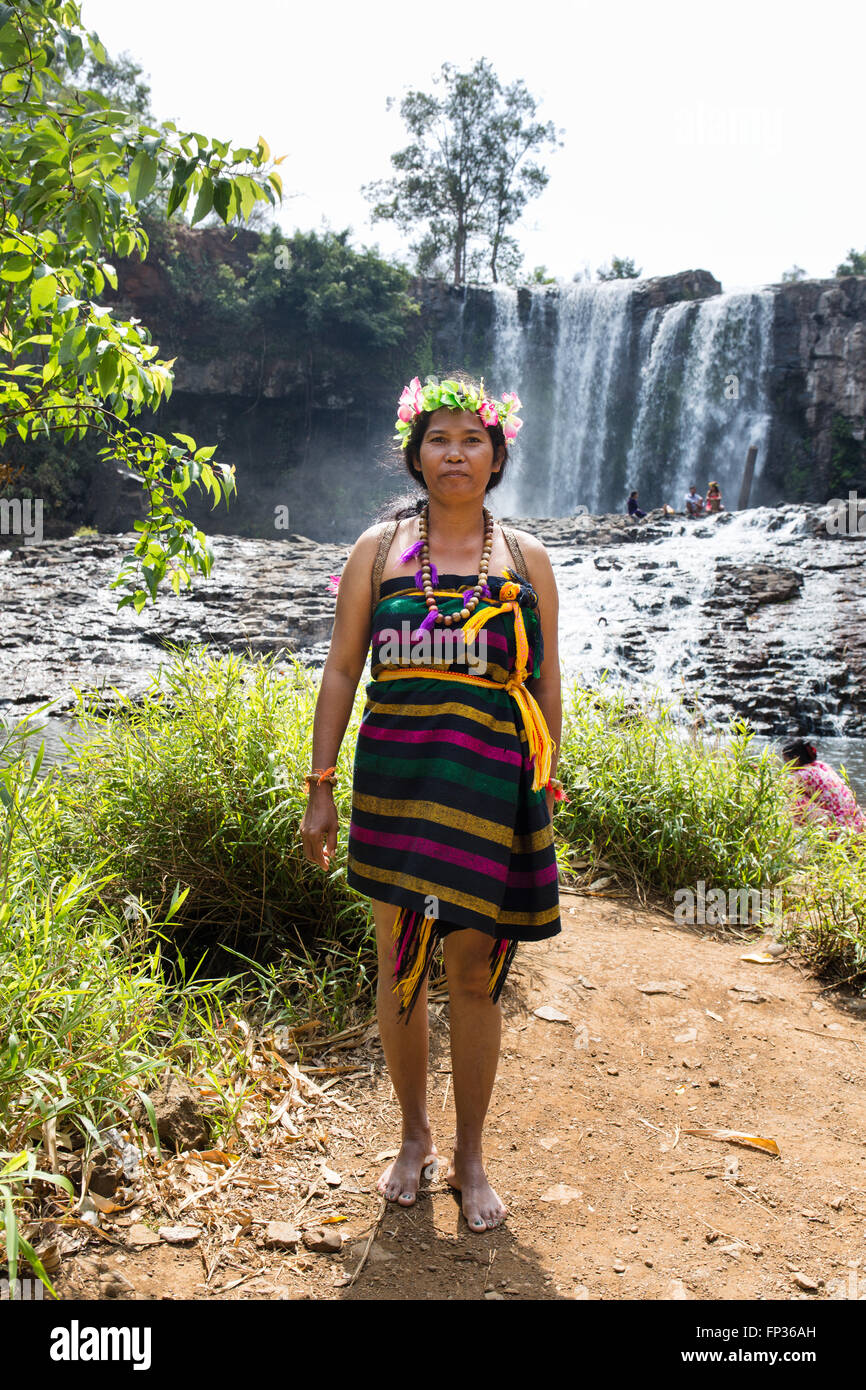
445,823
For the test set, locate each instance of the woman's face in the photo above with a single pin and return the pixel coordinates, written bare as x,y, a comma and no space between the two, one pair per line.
457,455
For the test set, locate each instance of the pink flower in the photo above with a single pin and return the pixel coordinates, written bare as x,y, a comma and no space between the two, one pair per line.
512,427
488,412
406,413
411,400
333,582
512,396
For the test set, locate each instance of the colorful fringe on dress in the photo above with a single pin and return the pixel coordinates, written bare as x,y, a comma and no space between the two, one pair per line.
416,939
449,815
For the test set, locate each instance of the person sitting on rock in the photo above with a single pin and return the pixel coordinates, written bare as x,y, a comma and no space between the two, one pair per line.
633,508
714,498
694,502
824,797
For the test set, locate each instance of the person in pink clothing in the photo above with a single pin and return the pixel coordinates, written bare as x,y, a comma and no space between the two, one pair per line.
834,802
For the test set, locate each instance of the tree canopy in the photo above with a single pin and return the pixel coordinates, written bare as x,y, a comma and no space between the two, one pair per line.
75,170
466,177
855,264
620,268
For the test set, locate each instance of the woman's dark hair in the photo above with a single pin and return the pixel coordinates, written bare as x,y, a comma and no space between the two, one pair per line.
411,504
798,751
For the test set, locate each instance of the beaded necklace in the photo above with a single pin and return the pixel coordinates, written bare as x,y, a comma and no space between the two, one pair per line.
452,619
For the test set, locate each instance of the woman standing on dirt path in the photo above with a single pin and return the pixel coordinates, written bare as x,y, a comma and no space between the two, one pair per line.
451,834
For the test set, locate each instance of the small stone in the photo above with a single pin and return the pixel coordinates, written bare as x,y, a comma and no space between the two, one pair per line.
648,1263
493,1294
324,1240
280,1235
714,1081
804,1282
179,1235
836,1203
141,1236
619,1267
633,1230
612,1071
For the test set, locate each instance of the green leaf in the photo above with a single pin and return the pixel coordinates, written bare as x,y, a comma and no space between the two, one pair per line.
16,267
42,293
221,195
204,202
107,372
142,176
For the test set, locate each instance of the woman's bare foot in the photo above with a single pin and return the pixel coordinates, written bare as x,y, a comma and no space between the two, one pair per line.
482,1208
399,1182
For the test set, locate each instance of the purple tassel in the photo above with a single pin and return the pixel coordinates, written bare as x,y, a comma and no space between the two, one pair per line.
467,595
427,624
411,553
419,576
486,591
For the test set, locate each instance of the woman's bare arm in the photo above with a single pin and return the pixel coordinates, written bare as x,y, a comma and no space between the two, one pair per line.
350,643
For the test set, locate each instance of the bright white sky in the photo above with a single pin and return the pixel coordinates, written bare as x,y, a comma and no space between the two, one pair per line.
727,137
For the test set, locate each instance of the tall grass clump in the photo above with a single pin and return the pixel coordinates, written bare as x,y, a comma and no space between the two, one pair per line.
88,1021
200,785
826,902
667,810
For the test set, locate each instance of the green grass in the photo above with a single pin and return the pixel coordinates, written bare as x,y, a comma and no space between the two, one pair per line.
201,786
667,810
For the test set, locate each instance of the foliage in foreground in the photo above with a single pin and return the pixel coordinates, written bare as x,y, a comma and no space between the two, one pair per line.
74,172
200,785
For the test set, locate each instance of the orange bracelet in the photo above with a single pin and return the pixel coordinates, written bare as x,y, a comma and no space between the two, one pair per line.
318,775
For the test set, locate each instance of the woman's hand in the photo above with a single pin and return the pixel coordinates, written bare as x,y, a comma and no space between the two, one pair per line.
319,826
551,802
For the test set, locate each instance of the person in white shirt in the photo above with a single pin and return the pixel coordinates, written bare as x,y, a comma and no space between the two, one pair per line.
694,502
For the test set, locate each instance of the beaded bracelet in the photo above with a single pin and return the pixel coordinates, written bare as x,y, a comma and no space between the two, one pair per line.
320,775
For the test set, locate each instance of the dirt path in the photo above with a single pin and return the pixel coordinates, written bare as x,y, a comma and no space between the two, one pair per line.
609,1197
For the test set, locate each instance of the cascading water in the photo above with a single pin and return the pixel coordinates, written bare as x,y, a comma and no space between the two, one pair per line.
617,396
702,396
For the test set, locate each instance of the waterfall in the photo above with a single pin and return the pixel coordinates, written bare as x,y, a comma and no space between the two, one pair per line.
618,395
702,398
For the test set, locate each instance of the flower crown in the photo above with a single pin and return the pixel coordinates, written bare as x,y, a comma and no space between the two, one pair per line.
455,396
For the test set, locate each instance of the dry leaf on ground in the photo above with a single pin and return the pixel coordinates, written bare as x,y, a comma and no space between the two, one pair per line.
736,1136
